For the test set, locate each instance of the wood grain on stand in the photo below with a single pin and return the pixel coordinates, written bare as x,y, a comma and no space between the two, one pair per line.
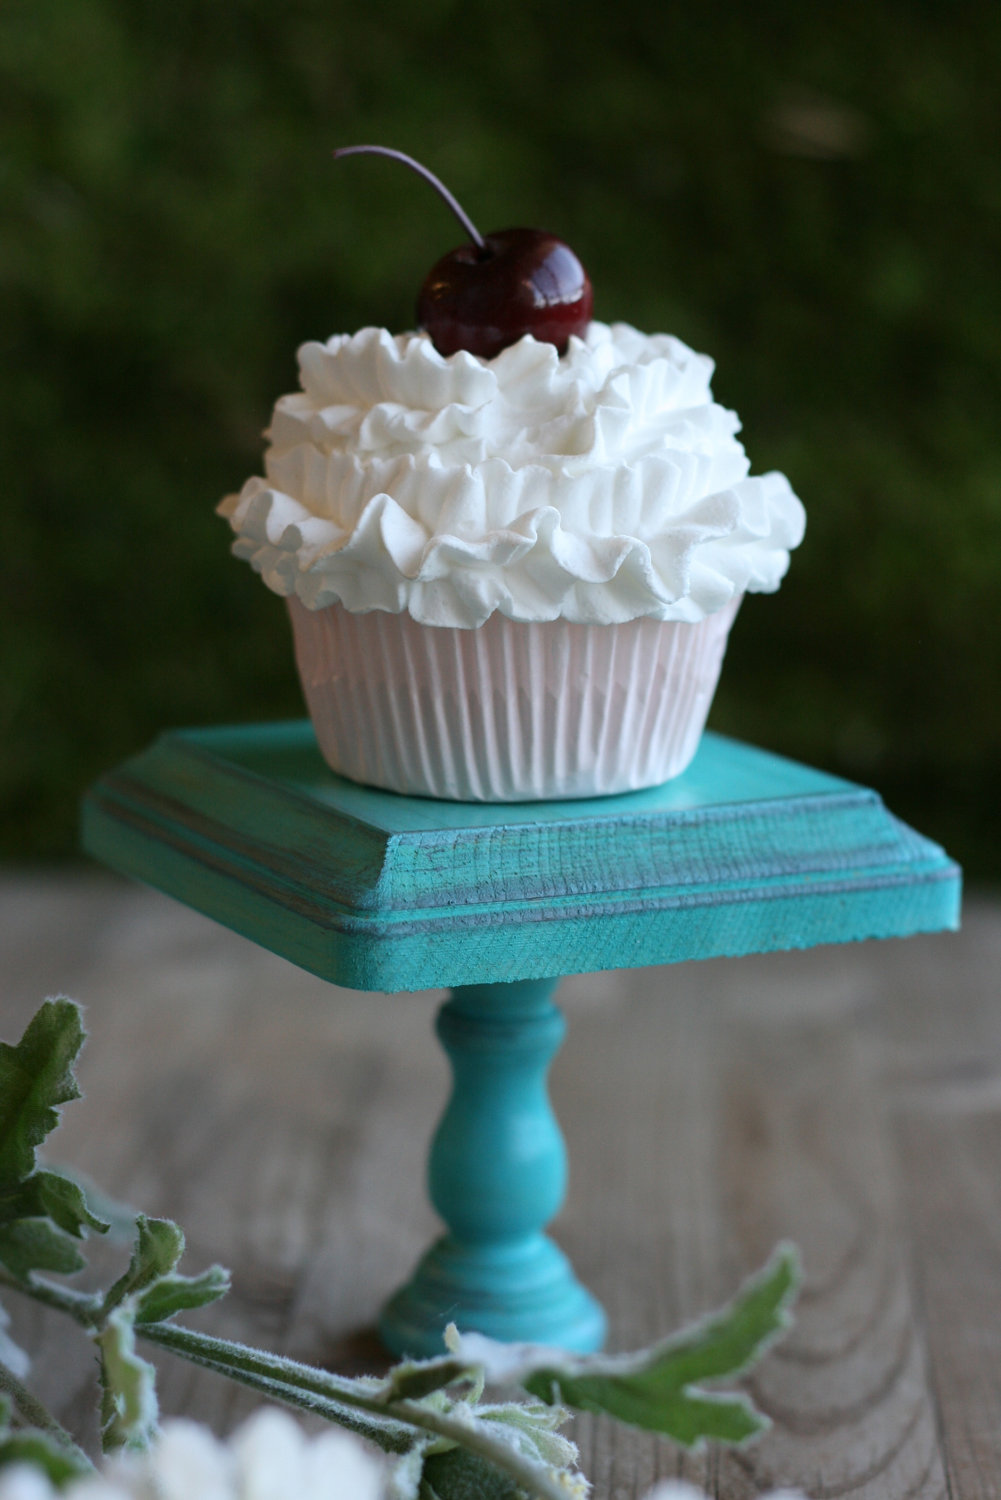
846,1098
745,852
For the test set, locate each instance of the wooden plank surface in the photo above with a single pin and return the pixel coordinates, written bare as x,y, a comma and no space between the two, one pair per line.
846,1098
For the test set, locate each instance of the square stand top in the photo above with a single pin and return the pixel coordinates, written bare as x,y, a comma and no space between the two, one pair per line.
746,852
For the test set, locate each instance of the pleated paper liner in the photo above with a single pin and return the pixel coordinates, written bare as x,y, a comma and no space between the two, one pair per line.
509,711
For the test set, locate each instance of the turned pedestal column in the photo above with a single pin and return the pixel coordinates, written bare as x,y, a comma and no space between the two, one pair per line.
744,853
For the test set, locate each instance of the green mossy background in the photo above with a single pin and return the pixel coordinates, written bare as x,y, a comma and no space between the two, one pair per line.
812,194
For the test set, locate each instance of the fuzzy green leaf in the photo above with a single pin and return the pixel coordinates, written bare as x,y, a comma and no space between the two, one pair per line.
532,1428
36,1077
50,1194
527,1429
658,1388
414,1379
173,1294
119,1218
159,1245
155,1288
460,1475
40,1451
28,1245
128,1385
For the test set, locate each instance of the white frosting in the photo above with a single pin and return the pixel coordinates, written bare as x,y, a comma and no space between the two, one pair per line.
596,487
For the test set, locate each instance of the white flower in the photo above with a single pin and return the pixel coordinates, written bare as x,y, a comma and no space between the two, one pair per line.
21,1482
268,1458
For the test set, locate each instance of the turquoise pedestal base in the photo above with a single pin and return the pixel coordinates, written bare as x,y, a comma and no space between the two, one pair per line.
524,1291
744,853
497,1174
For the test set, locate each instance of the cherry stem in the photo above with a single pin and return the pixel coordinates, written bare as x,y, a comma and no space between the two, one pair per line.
436,183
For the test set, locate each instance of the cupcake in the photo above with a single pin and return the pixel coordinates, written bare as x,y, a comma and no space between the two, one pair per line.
510,578
512,543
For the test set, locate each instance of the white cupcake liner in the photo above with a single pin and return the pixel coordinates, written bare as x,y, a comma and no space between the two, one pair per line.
510,711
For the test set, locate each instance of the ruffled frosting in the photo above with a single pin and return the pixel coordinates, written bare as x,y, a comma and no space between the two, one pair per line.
597,487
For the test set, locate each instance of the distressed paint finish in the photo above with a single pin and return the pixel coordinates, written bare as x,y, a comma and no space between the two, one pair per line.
744,853
497,1175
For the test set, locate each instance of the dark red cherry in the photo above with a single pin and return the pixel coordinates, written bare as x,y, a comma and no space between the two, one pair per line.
488,294
520,281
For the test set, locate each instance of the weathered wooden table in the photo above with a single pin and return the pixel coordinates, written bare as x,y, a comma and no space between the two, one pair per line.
746,852
846,1098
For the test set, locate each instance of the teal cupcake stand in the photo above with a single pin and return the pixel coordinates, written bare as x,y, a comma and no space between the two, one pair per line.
745,853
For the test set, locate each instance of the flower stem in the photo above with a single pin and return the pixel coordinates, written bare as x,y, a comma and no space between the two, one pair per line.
389,1424
34,1414
336,1398
327,1395
80,1306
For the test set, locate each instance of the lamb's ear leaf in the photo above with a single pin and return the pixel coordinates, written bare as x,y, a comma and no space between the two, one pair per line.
36,1078
48,1194
119,1217
460,1475
658,1389
128,1385
533,1428
414,1379
37,1449
174,1293
159,1245
29,1245
155,1289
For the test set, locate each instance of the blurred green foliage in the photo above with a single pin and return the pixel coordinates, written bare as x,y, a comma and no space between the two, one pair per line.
810,193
